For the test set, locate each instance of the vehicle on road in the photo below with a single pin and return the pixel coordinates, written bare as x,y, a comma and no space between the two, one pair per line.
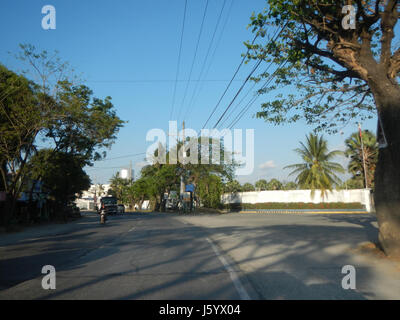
103,217
108,205
121,208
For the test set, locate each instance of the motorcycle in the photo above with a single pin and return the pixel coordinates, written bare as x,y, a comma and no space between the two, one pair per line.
103,215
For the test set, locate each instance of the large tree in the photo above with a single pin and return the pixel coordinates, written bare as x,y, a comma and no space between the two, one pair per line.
22,117
45,104
341,67
62,175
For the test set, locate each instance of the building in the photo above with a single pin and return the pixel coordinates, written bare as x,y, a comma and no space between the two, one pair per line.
90,198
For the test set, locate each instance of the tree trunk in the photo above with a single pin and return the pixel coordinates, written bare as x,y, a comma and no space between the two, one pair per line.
387,174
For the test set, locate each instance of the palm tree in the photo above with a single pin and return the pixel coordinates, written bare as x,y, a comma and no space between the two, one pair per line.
274,184
355,153
261,184
290,186
233,187
317,171
248,187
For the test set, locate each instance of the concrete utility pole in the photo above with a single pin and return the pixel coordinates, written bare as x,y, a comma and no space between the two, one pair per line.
363,156
184,156
130,172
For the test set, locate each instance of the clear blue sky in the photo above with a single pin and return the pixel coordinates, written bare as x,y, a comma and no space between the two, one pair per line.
129,50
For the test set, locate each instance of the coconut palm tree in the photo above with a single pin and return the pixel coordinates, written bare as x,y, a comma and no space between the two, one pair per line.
261,184
274,184
248,187
355,153
317,170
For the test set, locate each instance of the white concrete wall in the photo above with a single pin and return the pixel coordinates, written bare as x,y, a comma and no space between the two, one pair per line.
84,204
362,196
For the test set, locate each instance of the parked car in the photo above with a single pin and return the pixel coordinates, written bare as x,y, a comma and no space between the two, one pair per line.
121,208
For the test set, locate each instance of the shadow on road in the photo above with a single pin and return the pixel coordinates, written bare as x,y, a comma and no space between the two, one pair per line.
166,256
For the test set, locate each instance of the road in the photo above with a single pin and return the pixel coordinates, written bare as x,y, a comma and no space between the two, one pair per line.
136,256
167,256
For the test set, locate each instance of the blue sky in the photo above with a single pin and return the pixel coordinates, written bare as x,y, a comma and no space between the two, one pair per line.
129,50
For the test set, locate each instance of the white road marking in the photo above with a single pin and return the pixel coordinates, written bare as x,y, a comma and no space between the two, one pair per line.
131,229
235,279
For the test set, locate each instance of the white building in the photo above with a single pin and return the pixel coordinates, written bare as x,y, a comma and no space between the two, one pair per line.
91,197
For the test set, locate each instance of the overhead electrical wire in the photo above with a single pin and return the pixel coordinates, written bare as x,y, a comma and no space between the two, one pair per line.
237,105
275,36
215,51
194,58
251,88
251,102
179,60
229,84
238,92
125,156
205,59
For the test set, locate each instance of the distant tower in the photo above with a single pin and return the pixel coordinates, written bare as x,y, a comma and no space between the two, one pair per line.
127,173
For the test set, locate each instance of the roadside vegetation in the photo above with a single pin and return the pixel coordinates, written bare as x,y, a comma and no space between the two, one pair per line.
51,127
337,74
316,173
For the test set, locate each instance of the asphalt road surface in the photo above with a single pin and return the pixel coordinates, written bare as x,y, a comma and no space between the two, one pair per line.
167,256
135,256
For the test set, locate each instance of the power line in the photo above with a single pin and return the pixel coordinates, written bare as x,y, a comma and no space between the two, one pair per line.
125,156
216,48
275,36
252,87
252,100
179,59
205,59
237,105
244,97
160,80
194,57
238,92
229,84
102,168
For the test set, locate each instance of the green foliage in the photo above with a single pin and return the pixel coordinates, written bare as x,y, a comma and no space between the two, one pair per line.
209,189
158,178
61,173
324,65
119,188
355,153
317,170
60,113
84,123
233,187
290,186
261,185
354,183
21,119
248,187
274,184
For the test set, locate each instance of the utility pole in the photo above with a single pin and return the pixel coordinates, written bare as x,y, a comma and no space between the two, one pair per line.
184,155
130,172
363,156
341,133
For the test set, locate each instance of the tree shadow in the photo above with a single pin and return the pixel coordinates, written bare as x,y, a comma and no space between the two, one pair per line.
167,259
